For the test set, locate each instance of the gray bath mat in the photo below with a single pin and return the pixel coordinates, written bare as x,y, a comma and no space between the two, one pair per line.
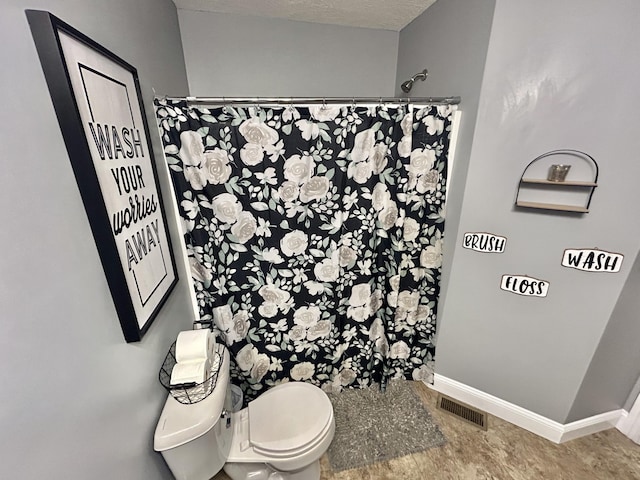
372,426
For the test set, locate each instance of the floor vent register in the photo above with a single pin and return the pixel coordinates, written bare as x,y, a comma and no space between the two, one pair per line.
462,411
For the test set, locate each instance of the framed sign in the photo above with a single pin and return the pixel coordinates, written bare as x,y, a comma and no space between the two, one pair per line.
97,99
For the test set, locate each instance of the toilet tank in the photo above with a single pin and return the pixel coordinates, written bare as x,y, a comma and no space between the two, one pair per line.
193,439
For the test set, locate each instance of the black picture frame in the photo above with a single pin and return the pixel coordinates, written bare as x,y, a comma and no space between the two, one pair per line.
155,263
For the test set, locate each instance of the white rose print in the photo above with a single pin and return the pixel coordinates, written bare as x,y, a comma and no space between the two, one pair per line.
319,229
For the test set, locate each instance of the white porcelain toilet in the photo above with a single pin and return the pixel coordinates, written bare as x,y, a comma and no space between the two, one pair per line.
280,436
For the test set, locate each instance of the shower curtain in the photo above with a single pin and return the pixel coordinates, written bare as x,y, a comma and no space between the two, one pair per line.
321,228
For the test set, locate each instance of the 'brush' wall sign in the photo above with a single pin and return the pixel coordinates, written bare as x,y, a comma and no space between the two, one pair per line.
524,285
484,242
592,260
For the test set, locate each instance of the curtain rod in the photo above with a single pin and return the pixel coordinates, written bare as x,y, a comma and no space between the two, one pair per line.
312,100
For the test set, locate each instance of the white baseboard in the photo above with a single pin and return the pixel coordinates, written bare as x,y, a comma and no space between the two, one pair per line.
623,423
589,425
545,427
629,423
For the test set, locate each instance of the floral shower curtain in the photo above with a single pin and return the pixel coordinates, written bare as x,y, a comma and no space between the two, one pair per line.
321,228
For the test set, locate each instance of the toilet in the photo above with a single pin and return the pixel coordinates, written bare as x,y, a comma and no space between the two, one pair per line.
279,436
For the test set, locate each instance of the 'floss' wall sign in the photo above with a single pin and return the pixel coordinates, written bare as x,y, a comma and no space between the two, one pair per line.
524,285
592,260
484,242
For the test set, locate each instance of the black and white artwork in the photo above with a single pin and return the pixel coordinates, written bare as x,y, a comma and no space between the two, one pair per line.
592,260
524,285
484,242
97,99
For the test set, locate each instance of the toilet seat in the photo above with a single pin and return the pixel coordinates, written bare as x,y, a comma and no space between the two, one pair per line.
289,420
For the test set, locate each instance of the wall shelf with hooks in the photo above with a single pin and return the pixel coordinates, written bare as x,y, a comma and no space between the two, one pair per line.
537,191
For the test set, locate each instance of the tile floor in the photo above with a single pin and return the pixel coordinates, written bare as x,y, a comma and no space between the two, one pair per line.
503,452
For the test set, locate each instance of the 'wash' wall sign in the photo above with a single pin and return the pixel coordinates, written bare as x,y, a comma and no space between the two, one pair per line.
484,242
592,260
524,285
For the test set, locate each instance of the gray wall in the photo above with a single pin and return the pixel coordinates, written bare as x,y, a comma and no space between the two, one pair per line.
615,366
633,396
450,39
77,401
233,55
549,82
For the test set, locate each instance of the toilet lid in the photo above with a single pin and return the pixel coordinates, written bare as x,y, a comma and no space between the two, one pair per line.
288,417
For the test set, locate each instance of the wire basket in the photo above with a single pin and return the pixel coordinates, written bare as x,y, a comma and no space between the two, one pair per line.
199,391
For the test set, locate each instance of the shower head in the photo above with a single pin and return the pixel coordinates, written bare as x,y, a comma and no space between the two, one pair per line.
406,86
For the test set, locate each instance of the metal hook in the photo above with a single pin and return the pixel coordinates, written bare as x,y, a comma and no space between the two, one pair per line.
224,105
324,104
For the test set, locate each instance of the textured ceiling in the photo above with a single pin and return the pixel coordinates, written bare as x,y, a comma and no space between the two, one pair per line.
383,14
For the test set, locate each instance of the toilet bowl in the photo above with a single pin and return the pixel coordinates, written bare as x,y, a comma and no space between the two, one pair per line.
279,436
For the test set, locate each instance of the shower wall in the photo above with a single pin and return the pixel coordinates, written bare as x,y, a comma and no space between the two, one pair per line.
234,55
451,39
